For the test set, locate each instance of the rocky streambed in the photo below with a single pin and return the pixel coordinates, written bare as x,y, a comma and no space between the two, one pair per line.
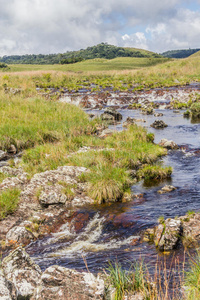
81,234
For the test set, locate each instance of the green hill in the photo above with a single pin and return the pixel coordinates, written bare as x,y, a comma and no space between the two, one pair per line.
99,51
179,53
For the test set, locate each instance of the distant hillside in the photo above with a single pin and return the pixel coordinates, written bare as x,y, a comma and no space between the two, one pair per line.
100,51
179,53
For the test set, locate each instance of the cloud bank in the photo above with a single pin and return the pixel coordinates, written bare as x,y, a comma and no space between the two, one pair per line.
41,26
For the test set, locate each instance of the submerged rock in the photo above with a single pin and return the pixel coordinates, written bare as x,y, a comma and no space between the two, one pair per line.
158,114
21,274
62,283
129,121
167,189
168,144
157,124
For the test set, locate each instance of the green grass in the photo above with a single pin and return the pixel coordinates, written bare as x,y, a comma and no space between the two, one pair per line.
9,200
97,64
192,279
26,123
155,172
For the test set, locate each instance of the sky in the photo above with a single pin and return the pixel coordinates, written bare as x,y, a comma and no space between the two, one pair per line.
57,26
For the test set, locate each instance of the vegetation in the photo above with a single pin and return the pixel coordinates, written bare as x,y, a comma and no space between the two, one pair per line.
102,50
179,53
8,202
192,277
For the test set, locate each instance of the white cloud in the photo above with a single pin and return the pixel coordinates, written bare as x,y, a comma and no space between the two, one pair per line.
136,40
52,26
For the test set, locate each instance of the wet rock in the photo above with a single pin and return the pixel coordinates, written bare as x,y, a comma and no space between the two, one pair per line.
168,144
157,124
68,284
167,234
158,114
176,111
108,117
19,234
129,121
52,195
114,113
167,189
106,133
3,155
4,291
21,274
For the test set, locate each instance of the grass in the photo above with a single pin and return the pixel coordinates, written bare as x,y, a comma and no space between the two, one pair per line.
26,123
155,172
192,278
9,200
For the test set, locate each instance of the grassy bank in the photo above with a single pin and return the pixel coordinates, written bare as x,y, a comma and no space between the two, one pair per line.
49,132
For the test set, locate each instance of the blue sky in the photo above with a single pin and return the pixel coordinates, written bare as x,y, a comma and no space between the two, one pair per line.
56,26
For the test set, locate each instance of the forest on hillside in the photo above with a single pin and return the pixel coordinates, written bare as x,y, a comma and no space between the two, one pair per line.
102,50
179,53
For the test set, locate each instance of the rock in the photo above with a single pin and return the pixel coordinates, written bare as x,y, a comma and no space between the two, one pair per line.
147,111
12,149
167,189
167,235
158,114
52,195
106,133
129,121
176,111
191,226
19,234
4,291
21,273
108,117
64,283
3,155
168,144
157,124
113,112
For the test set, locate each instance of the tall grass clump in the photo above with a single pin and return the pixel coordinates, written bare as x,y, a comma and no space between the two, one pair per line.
9,200
192,278
155,172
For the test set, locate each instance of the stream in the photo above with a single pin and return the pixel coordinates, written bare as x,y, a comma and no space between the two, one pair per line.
96,235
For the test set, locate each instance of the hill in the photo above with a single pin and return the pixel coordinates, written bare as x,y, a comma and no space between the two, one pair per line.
102,50
179,53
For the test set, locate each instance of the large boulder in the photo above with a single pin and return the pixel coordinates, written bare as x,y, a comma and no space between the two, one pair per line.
167,234
158,124
4,291
21,274
62,283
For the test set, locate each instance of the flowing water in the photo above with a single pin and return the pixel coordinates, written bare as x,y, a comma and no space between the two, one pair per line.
96,235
